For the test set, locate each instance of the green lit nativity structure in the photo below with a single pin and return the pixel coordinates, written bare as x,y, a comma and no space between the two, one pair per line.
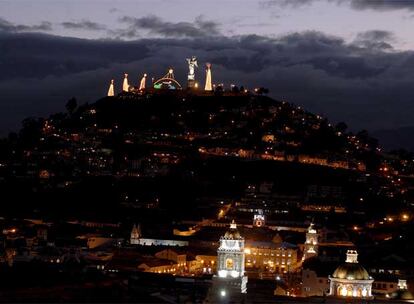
167,82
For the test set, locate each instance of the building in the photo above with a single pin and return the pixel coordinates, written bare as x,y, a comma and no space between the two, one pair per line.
137,239
351,279
230,281
315,277
273,257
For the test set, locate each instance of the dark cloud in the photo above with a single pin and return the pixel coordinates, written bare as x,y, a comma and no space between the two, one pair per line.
84,25
379,5
155,25
284,3
6,26
377,35
382,5
38,55
344,81
376,39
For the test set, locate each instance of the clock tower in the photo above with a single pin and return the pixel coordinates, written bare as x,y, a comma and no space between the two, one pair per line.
259,219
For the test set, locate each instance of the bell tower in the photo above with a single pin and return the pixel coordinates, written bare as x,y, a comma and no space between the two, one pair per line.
135,234
311,244
230,281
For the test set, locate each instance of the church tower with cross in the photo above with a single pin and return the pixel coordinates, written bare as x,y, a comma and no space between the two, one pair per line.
310,248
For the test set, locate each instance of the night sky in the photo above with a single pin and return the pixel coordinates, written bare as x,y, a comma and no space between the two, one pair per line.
351,60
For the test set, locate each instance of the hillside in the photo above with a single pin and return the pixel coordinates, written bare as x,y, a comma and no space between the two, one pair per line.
176,153
256,126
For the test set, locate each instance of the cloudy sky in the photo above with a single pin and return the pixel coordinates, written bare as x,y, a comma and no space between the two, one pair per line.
351,60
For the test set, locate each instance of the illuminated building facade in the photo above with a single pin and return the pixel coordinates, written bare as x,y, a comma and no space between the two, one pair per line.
273,257
351,279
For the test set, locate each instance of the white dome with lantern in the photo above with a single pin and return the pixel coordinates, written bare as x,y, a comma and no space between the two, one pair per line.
351,279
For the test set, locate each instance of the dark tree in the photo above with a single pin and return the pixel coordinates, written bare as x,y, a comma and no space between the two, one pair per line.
341,127
71,105
262,91
235,89
31,131
219,90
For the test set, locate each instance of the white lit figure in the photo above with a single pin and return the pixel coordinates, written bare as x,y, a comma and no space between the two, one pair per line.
125,85
143,82
192,64
111,88
208,86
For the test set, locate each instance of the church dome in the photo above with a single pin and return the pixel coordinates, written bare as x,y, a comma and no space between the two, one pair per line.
351,279
232,233
351,271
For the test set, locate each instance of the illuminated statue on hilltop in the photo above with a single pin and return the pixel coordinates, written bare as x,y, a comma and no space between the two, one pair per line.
111,88
125,85
208,86
192,64
142,83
